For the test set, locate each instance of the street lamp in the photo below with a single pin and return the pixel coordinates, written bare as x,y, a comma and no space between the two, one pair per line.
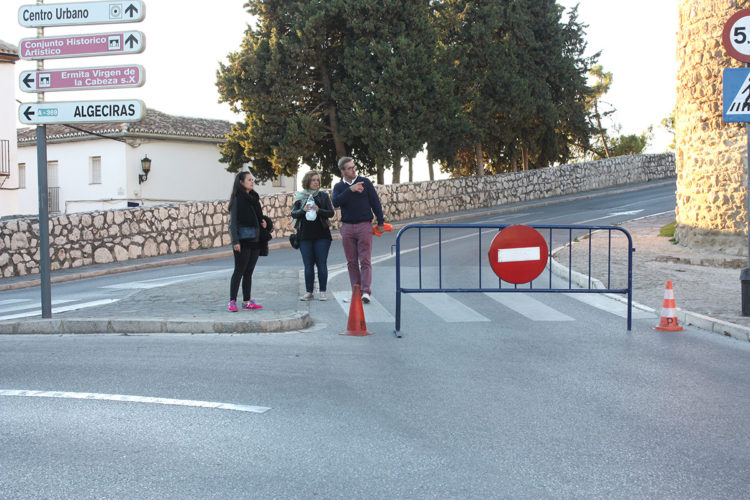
146,167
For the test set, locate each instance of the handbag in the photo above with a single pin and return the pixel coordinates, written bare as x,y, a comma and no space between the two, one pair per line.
247,232
294,240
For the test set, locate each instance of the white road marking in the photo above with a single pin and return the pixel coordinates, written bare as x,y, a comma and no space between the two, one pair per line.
609,305
14,301
528,306
159,282
374,311
133,399
448,308
31,304
72,307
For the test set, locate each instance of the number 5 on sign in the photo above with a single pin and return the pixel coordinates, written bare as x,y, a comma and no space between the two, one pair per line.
736,35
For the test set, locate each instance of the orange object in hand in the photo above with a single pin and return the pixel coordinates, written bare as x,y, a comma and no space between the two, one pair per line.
386,227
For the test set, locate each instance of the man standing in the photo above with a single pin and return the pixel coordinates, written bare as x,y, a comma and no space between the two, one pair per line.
358,201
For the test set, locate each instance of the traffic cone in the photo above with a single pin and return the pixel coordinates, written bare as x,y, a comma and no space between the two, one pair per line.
668,321
356,326
386,227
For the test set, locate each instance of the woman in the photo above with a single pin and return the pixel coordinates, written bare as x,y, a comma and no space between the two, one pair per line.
314,235
245,223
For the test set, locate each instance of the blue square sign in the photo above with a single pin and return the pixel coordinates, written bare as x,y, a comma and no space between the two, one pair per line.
736,95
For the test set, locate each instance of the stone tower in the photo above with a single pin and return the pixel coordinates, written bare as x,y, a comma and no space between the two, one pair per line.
711,156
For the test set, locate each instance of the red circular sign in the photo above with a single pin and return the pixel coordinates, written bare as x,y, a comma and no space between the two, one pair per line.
518,254
736,35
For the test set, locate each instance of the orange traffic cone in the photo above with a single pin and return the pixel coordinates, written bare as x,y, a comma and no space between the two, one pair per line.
386,227
356,326
668,321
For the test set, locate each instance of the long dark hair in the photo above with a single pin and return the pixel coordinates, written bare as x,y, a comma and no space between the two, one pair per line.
237,187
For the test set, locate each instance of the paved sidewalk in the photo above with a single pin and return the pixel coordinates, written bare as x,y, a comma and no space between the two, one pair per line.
706,284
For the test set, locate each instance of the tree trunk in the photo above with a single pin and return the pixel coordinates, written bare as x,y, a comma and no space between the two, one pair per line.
525,158
411,169
333,120
396,179
601,131
429,166
514,161
480,159
381,175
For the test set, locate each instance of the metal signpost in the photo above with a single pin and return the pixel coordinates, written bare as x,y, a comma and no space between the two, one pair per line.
41,113
736,108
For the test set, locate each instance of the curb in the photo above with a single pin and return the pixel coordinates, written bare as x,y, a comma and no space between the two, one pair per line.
284,323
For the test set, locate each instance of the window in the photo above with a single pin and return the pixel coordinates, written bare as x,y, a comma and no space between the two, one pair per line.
95,170
21,176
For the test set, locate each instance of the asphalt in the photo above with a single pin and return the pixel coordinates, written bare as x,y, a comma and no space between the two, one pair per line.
706,288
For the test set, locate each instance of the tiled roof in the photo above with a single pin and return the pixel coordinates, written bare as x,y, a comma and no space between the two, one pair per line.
7,49
154,124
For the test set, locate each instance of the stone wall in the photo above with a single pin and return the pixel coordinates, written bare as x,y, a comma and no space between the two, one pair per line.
119,235
710,155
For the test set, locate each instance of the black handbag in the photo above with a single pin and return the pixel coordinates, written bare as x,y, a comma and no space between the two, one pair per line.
294,240
247,232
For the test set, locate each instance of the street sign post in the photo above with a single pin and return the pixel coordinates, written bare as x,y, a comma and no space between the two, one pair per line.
96,44
104,77
75,14
131,110
518,254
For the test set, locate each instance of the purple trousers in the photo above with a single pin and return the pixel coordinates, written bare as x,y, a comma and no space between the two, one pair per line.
357,241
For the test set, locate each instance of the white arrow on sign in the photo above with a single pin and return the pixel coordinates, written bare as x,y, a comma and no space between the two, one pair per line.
75,14
82,112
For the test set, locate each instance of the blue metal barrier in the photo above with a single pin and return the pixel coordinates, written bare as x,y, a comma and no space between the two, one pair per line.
548,231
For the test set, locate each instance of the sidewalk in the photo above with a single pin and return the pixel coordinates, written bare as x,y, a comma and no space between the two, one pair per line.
706,287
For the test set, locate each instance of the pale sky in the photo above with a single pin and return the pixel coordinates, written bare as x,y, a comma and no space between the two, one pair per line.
186,39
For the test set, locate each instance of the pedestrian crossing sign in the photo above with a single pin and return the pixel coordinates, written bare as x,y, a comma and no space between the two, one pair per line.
736,94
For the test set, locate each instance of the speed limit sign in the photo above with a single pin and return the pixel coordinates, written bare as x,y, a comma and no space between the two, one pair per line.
736,35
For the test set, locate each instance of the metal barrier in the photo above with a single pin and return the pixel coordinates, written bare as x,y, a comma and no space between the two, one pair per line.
535,286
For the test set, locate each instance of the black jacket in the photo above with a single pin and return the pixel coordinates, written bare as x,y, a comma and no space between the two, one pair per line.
325,212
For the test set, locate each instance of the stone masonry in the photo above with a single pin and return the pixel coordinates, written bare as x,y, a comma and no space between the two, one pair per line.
119,235
711,155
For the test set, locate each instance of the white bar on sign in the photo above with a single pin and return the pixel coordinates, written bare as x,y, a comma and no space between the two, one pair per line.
518,254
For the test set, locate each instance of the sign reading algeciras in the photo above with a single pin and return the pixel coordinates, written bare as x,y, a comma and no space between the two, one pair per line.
74,14
104,77
42,113
96,44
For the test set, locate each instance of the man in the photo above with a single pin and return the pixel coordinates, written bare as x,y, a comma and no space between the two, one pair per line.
358,201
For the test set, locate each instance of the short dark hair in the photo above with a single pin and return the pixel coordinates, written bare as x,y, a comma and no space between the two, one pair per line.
343,161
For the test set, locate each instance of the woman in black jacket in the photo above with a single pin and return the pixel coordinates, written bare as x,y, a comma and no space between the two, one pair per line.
314,235
245,223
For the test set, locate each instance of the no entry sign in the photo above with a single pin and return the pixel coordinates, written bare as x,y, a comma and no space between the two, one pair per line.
518,254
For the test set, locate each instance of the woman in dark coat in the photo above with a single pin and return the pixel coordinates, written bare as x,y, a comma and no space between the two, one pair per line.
245,223
314,235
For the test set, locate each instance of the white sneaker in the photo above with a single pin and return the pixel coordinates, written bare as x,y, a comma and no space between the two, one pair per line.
323,296
307,296
366,298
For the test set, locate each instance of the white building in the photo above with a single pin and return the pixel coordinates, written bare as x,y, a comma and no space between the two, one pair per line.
99,166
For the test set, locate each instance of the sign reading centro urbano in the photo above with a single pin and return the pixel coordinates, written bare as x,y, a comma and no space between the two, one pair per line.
73,14
104,77
43,113
96,44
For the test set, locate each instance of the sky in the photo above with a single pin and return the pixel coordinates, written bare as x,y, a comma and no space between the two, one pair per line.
186,40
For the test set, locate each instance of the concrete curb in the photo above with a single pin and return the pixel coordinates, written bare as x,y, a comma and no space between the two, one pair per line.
286,322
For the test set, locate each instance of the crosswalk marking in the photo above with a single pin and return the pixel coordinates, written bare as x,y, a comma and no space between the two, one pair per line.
30,304
609,305
159,282
528,306
71,307
448,308
374,311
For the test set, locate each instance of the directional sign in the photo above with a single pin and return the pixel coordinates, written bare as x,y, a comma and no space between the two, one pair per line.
81,112
96,44
736,94
106,77
75,14
518,254
736,35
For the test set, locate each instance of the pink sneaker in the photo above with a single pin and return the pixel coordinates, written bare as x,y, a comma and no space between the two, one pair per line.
232,307
252,305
